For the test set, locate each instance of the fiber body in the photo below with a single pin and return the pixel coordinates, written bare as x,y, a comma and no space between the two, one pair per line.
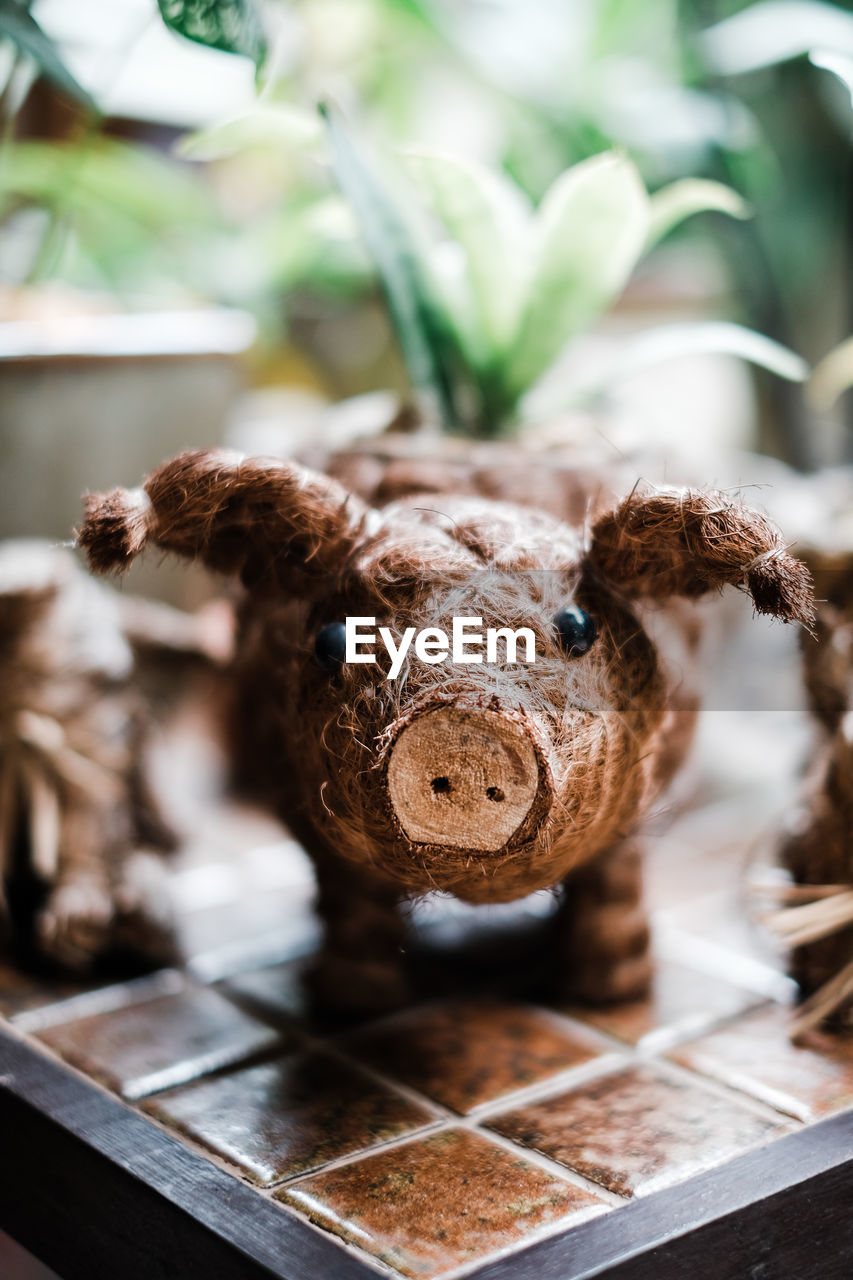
487,780
79,832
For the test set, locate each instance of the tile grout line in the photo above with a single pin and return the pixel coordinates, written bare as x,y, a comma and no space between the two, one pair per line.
546,1232
765,1110
380,1267
761,1093
341,1162
450,1124
476,1122
267,1192
658,1043
270,1191
319,1044
605,1200
444,1118
563,1081
624,1057
621,1055
586,1031
102,1000
306,1043
263,952
548,1165
451,1120
616,1054
716,960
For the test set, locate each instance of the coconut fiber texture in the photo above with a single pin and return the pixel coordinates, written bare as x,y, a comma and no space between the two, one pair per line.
396,786
80,836
818,846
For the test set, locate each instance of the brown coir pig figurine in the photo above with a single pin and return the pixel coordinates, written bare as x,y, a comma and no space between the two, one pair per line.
485,779
817,847
80,835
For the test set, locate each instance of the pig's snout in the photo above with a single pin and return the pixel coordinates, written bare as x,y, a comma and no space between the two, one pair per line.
465,778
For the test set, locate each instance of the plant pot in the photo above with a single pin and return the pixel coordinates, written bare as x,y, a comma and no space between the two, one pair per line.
94,401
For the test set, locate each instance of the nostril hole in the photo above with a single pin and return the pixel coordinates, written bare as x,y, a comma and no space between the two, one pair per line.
495,793
440,786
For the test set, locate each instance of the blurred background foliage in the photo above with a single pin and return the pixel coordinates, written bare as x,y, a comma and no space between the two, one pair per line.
172,152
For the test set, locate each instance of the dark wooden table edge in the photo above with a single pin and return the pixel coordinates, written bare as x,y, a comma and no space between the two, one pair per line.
781,1212
93,1189
72,1154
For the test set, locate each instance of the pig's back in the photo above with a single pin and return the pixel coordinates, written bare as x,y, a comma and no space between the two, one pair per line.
382,469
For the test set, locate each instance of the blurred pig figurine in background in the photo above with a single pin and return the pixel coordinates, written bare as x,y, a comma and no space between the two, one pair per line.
485,780
80,834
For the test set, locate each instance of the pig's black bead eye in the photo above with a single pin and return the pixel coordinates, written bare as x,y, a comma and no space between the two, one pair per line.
330,646
576,631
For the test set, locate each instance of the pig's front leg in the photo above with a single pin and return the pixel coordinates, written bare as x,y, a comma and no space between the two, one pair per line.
602,929
361,967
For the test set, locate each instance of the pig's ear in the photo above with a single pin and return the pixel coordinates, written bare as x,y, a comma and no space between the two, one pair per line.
273,523
687,542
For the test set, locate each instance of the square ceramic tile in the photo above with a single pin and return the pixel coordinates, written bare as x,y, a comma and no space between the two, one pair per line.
438,1202
162,1042
217,939
755,1054
468,1052
283,1118
681,1002
21,991
699,851
637,1130
723,918
276,991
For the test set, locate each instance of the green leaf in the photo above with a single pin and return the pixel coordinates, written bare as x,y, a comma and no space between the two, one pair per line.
305,241
671,342
832,376
264,126
233,26
774,31
19,26
106,177
427,342
590,231
120,216
671,205
490,219
841,65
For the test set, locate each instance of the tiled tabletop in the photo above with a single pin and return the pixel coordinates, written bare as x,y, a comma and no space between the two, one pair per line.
481,1118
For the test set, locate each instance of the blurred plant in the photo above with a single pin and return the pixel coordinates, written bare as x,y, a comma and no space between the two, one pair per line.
108,214
233,26
716,88
19,27
98,211
485,293
831,377
794,263
525,91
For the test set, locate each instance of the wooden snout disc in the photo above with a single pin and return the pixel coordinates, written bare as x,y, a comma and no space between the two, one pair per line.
465,779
